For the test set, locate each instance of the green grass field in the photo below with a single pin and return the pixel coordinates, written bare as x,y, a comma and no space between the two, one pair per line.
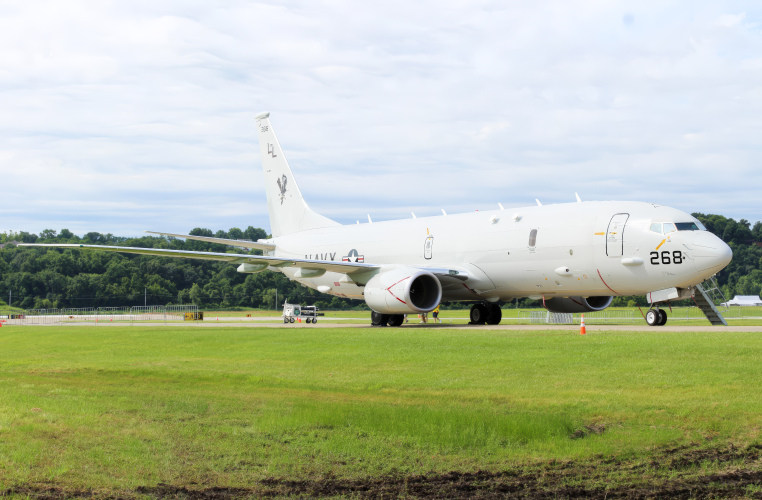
119,408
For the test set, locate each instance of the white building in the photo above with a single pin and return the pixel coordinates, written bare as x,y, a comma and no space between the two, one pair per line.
744,300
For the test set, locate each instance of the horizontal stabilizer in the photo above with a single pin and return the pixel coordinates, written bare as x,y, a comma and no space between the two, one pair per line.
222,241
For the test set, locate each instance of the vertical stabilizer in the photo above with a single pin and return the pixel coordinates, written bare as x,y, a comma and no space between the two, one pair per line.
288,211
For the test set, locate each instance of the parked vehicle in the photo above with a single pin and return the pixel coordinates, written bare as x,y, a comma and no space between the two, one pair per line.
293,312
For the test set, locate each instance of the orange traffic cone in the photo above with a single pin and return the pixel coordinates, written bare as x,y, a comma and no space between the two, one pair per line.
582,326
299,320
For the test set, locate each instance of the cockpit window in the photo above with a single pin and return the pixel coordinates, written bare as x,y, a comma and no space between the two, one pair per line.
668,227
687,226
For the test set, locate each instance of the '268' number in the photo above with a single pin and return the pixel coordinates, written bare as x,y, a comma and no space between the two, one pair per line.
667,257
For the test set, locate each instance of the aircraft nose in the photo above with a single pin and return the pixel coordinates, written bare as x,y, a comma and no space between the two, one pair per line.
710,253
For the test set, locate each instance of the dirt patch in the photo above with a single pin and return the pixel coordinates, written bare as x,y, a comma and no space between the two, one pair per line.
675,473
169,491
55,493
487,485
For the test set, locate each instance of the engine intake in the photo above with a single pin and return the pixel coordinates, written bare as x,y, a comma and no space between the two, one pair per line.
402,291
577,304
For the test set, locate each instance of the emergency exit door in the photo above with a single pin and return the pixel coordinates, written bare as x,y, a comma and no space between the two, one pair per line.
615,235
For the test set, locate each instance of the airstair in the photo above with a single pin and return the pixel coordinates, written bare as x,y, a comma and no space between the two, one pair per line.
706,296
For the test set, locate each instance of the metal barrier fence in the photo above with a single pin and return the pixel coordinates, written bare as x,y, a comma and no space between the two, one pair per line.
96,315
592,318
149,313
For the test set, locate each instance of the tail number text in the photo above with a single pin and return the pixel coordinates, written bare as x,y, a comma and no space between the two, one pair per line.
666,257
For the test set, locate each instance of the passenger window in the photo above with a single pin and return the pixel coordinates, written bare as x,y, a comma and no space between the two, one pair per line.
532,237
669,227
656,227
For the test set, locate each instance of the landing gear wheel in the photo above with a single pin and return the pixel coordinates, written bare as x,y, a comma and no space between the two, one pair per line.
396,319
285,320
291,320
662,318
314,320
378,319
495,314
478,314
308,320
652,317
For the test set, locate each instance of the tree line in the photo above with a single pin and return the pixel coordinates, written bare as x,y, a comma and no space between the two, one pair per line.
54,278
744,274
42,278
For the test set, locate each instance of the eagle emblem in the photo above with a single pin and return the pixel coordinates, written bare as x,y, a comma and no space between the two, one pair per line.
282,186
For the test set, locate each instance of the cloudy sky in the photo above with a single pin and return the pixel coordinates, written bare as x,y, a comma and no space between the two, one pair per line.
122,116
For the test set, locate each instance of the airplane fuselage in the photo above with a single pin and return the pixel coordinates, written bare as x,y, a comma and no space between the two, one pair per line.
584,248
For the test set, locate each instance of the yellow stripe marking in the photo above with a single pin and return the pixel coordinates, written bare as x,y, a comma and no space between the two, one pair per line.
660,244
599,234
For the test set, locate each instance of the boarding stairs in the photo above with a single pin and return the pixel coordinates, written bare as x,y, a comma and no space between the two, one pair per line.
706,296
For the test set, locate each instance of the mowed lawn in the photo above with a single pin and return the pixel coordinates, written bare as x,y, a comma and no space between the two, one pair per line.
113,408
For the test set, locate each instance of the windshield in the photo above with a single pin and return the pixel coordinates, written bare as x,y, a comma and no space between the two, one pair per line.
687,226
668,227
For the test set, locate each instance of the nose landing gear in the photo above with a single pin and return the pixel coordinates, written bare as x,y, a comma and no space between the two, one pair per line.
656,317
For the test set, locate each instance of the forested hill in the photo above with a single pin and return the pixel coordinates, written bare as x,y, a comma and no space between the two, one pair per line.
744,274
40,278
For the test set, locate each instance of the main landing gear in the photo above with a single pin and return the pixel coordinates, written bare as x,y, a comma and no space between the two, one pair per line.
378,319
485,313
656,317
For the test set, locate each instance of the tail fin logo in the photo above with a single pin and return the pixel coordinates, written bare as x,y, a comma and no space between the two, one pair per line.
282,186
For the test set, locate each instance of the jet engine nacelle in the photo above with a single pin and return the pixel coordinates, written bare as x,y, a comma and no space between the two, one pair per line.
402,291
577,304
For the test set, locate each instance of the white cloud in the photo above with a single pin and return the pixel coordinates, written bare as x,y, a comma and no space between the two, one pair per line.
127,116
730,20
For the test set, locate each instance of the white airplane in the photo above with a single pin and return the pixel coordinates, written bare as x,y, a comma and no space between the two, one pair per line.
575,257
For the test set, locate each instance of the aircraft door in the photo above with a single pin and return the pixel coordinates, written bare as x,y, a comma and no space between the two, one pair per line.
615,235
428,247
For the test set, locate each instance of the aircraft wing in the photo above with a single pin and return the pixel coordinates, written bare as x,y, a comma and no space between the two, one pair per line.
446,275
222,241
332,266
